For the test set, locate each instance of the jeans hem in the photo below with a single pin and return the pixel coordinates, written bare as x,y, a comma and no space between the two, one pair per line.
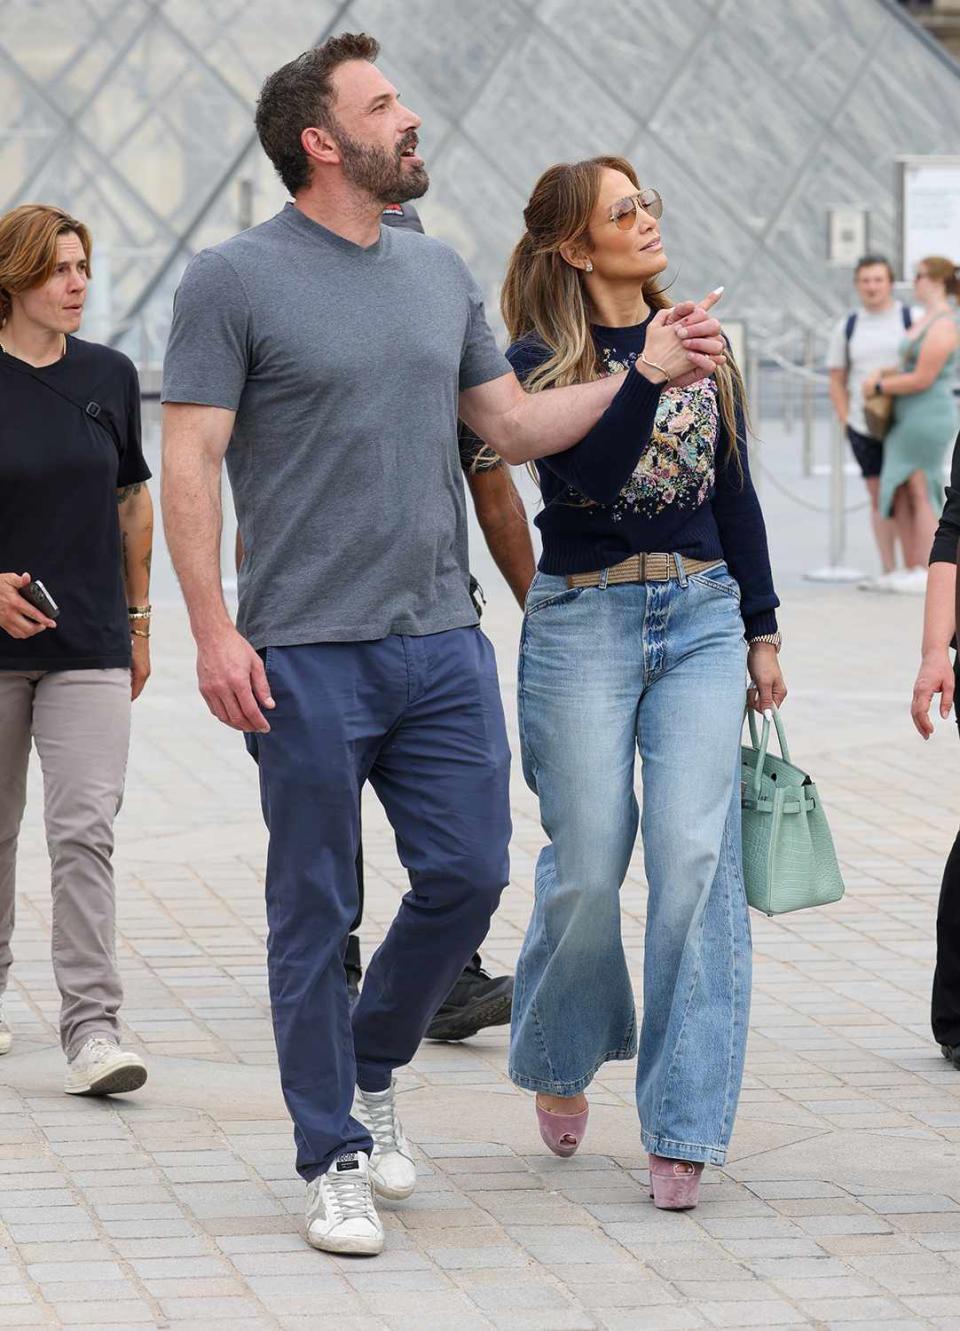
568,1087
314,1171
656,1144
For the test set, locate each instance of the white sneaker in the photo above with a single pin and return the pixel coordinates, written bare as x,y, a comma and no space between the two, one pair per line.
391,1164
6,1036
883,582
101,1067
912,582
341,1216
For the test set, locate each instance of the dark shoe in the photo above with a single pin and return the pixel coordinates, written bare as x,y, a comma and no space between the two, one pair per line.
354,969
476,1000
951,1053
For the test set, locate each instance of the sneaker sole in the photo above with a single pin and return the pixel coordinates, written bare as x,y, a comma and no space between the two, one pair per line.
490,1012
117,1082
390,1194
352,1247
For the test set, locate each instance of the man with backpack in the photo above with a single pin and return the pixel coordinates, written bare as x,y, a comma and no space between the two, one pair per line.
863,342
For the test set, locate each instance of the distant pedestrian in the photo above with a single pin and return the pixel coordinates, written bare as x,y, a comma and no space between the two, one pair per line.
924,416
863,342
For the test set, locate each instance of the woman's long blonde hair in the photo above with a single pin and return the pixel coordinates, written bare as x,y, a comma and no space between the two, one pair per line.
544,296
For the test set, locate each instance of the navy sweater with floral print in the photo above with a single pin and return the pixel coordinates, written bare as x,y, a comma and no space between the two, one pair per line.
654,474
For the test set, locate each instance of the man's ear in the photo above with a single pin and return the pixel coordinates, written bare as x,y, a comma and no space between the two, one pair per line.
319,145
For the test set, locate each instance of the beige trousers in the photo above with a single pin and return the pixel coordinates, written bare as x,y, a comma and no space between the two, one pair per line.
79,721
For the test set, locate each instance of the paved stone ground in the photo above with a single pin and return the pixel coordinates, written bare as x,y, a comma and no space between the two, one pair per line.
839,1207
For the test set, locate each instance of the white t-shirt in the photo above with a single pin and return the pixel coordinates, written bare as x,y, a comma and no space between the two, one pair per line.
875,345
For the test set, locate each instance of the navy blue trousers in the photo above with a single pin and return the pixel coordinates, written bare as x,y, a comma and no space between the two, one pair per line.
421,719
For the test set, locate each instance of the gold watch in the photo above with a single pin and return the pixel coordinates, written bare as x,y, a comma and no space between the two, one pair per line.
774,639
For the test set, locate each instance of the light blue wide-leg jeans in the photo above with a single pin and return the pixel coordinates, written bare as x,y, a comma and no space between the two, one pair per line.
604,672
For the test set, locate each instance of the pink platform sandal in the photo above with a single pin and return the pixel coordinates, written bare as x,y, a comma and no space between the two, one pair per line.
674,1184
563,1133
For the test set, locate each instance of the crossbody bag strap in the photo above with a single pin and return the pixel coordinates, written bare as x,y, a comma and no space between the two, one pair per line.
92,408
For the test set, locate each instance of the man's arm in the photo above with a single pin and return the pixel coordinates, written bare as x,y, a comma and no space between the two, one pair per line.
839,395
135,515
683,345
503,521
231,674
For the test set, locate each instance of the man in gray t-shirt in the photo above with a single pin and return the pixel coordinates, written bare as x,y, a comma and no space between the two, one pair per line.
328,358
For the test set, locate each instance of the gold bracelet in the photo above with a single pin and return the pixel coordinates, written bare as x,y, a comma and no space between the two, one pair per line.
654,366
140,610
140,633
138,614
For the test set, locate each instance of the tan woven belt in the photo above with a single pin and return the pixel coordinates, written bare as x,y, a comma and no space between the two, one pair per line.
642,568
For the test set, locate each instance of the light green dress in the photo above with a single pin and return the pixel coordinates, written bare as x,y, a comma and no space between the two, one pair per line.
924,426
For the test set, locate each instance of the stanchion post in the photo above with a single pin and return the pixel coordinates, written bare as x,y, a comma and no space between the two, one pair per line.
836,570
809,403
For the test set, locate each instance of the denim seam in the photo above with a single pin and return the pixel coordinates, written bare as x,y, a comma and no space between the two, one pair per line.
683,1021
571,594
727,1127
706,1152
569,1087
733,593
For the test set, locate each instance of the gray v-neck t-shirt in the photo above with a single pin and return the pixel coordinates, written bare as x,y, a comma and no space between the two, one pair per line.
344,366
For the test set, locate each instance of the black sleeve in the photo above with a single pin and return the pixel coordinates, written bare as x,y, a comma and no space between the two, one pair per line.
133,466
948,533
599,466
743,533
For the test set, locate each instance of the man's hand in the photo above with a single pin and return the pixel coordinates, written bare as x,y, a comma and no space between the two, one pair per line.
763,665
233,680
701,336
17,616
140,664
935,676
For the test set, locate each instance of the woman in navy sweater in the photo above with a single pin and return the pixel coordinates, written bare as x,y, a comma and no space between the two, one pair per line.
653,593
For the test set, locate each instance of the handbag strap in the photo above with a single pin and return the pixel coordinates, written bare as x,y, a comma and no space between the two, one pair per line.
762,742
92,408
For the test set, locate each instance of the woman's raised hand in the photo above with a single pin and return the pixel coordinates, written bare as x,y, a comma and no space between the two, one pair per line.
685,341
17,616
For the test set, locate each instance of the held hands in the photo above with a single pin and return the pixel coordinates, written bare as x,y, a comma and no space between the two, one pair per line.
17,616
233,680
686,342
768,688
935,676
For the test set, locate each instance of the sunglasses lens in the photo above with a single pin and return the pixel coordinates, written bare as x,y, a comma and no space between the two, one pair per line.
651,203
625,220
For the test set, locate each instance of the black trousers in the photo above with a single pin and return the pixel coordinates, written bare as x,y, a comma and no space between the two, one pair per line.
945,1014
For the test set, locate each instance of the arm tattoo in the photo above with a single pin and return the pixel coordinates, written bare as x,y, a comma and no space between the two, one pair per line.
123,550
126,491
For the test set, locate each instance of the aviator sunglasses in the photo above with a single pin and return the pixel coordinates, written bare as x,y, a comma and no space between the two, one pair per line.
625,212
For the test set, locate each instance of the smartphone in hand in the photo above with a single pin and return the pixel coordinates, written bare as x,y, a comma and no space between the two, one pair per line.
38,596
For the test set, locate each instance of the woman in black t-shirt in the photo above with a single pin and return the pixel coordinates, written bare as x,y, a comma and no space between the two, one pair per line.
76,517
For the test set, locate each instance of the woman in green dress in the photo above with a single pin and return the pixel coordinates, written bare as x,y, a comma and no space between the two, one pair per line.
924,415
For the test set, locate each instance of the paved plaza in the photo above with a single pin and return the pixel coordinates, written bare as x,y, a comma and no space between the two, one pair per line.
179,1206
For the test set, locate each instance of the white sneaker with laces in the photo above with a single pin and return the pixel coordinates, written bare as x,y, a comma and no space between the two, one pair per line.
391,1164
101,1067
341,1216
6,1036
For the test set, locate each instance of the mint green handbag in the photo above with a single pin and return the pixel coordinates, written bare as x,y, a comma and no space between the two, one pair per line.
789,861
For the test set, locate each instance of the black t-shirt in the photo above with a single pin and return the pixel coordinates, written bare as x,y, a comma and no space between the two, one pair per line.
60,470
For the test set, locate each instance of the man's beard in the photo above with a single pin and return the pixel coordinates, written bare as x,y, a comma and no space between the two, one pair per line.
381,173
